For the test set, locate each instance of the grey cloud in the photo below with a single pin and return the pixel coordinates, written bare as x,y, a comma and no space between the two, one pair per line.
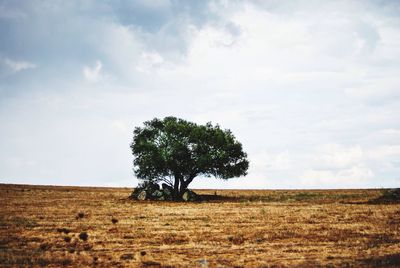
284,86
152,17
64,36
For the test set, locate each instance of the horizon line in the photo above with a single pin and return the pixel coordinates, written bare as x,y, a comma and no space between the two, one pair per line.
216,189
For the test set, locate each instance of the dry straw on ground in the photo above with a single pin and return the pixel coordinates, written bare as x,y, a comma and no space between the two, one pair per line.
42,226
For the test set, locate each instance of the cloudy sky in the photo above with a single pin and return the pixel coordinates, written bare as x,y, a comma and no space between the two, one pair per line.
311,88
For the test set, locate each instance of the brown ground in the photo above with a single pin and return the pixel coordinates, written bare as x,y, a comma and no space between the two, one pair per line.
42,225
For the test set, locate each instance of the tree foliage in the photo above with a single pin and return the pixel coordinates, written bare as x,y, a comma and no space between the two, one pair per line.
175,151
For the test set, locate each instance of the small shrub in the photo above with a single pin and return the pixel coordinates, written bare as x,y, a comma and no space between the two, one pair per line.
80,215
391,194
114,221
236,240
44,246
151,264
388,196
87,247
67,239
127,256
83,236
66,262
63,230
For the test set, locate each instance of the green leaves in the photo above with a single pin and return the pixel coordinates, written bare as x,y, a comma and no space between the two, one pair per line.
175,148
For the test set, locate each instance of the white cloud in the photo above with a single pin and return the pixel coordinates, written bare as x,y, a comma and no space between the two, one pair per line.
122,47
120,126
383,152
149,61
355,176
263,161
376,91
93,74
335,156
17,66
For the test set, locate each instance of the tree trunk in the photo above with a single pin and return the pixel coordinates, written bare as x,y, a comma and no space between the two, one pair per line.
181,185
176,188
184,185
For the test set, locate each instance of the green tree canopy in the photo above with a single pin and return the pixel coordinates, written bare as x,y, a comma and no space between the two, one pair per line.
175,151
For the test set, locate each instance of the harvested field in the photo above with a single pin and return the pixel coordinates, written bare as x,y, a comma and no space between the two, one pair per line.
82,226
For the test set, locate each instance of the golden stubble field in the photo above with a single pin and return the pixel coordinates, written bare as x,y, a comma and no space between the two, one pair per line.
82,226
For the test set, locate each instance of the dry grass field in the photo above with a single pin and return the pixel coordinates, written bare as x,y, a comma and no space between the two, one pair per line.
74,226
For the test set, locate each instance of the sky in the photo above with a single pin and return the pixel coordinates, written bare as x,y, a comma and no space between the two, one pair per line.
310,88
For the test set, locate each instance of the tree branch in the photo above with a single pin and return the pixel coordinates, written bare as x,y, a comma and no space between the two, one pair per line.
189,180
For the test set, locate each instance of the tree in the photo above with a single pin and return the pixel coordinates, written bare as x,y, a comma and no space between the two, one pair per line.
175,151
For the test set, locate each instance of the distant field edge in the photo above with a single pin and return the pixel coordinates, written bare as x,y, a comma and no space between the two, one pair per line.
199,189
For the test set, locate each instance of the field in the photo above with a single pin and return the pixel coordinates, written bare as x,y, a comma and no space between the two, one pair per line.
83,226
